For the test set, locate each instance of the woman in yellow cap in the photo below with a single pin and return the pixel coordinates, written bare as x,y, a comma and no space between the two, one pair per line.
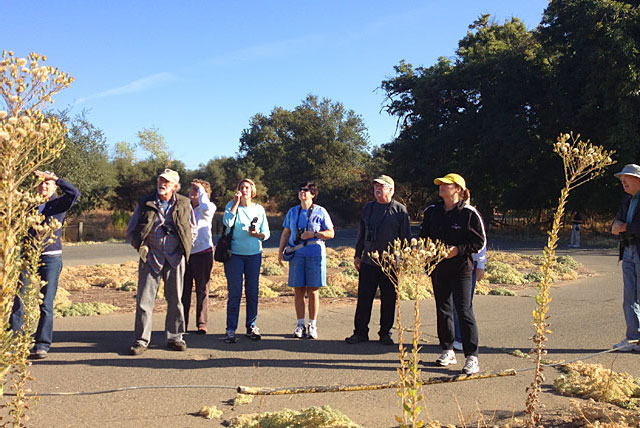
459,225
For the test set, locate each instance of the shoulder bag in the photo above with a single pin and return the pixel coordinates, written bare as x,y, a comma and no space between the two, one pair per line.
223,247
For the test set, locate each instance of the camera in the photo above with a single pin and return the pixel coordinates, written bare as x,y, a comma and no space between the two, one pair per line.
370,234
167,229
298,239
252,226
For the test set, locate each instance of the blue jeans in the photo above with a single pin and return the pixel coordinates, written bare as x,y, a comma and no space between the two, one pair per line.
631,291
234,269
49,271
456,321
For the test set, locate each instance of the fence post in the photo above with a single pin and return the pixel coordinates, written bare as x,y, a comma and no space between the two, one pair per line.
80,231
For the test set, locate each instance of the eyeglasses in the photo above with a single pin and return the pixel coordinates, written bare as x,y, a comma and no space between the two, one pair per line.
304,189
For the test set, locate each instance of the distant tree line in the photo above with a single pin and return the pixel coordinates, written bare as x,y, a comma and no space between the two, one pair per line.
491,113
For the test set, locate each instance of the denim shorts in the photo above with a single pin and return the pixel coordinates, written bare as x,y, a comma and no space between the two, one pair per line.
307,271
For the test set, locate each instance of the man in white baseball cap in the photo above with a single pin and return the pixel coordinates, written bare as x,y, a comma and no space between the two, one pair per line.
162,228
627,227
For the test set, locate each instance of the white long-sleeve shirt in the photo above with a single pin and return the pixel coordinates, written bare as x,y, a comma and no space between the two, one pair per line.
204,215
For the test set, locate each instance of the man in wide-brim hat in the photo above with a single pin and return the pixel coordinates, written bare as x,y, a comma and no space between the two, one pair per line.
627,226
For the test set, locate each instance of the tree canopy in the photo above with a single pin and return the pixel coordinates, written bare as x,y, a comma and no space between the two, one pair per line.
320,140
492,112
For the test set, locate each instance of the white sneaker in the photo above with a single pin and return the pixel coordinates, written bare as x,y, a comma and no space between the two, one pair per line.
447,358
626,345
300,332
313,332
457,345
471,365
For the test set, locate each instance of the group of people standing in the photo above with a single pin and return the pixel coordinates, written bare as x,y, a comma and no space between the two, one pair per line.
454,222
173,236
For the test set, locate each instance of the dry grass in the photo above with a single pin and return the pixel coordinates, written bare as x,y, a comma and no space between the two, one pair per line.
311,417
605,385
101,275
342,278
593,414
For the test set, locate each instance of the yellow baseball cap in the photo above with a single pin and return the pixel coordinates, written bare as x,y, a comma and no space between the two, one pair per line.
451,178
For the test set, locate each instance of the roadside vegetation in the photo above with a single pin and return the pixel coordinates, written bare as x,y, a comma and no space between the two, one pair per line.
507,273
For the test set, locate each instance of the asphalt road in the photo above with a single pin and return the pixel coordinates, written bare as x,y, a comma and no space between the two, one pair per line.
90,354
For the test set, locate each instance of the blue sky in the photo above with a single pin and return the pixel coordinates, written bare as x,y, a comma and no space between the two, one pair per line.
198,70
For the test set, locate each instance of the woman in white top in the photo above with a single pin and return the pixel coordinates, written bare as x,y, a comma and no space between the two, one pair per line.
200,262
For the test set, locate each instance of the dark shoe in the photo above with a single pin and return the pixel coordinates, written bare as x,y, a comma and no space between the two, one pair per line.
253,333
230,337
386,340
39,354
177,345
137,349
202,330
356,338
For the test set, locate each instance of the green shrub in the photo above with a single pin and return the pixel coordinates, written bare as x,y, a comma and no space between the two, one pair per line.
332,290
129,286
562,269
536,259
502,273
346,263
568,261
120,219
265,291
242,399
408,285
84,309
534,276
350,271
502,292
272,269
332,262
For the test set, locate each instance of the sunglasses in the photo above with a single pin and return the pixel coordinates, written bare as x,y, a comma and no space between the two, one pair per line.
304,189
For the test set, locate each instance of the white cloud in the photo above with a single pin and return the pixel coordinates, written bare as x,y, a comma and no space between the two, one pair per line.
132,87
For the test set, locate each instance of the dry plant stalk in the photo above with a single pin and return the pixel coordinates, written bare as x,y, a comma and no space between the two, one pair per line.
582,161
405,258
29,138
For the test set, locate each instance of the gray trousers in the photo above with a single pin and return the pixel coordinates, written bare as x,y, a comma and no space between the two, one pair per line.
148,284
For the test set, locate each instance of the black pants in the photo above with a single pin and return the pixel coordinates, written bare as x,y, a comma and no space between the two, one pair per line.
448,289
372,277
198,270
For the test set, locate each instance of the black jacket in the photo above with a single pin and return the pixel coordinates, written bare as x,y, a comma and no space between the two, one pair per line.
461,227
394,224
632,235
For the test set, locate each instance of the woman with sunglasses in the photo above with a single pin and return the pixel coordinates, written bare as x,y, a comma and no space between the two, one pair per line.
305,229
250,228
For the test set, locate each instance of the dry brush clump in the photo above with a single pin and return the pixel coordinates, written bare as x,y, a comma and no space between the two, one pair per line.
29,139
311,417
605,385
595,414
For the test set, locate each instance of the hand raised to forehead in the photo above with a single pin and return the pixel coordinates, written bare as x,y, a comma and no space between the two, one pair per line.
46,175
